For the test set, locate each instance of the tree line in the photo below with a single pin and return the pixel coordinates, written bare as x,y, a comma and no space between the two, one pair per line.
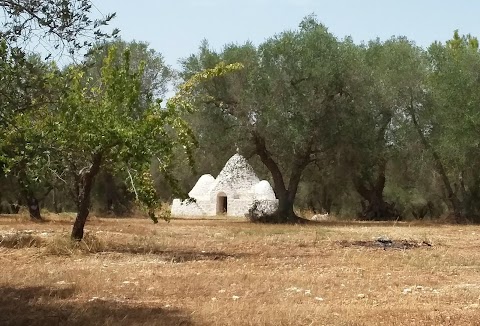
379,130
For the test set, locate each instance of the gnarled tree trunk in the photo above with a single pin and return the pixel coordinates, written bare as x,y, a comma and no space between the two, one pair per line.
284,212
56,205
33,208
374,206
29,196
286,196
85,180
31,201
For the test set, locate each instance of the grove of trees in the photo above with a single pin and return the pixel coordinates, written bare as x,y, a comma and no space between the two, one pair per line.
379,130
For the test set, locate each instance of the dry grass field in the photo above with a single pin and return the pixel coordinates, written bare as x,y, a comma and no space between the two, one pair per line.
219,272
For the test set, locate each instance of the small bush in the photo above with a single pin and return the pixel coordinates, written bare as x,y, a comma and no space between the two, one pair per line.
256,213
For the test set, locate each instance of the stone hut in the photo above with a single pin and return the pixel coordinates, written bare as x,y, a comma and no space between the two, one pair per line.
232,193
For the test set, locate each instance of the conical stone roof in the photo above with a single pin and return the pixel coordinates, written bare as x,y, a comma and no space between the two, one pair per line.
202,187
263,191
237,171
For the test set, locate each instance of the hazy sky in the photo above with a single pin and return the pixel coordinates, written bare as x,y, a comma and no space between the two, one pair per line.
175,28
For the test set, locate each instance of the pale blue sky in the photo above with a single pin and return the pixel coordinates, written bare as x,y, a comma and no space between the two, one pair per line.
175,28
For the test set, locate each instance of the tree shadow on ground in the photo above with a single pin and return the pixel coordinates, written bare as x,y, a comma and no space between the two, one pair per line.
92,245
176,255
35,306
359,223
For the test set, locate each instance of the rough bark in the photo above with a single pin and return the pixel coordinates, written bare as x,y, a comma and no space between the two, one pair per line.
85,180
31,201
285,212
374,206
286,196
28,195
34,208
111,193
56,205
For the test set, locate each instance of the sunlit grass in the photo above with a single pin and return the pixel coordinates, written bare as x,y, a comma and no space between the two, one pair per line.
223,272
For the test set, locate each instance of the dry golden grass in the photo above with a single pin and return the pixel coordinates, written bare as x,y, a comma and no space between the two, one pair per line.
224,272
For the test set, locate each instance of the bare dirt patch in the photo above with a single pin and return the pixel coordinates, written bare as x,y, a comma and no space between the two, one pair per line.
224,272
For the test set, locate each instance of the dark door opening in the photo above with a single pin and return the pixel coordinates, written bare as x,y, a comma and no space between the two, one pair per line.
222,204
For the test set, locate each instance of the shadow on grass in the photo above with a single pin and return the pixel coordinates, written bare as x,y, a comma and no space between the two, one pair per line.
176,256
353,223
36,306
62,245
93,245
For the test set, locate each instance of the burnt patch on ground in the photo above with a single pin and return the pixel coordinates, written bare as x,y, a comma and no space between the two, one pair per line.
386,244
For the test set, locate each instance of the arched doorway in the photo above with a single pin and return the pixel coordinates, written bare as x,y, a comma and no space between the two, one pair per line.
222,203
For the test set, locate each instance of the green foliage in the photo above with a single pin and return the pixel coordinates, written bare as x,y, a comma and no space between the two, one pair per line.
60,26
385,124
27,86
65,23
109,116
156,73
455,119
283,106
354,110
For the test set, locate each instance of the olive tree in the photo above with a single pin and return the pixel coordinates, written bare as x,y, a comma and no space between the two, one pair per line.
282,107
448,125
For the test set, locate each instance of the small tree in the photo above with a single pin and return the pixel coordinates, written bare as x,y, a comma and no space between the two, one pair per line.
109,122
104,122
59,26
155,79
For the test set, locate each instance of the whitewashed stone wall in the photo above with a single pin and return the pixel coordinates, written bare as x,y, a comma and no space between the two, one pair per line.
237,181
185,208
